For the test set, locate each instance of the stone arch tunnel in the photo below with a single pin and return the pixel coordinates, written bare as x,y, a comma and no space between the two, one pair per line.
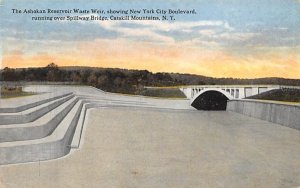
210,100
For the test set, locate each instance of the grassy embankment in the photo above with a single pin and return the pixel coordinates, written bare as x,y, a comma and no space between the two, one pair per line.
163,92
286,95
12,92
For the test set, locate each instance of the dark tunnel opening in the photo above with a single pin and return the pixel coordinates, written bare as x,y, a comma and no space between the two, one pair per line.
210,100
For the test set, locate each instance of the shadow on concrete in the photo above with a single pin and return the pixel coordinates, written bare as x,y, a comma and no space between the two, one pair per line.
210,100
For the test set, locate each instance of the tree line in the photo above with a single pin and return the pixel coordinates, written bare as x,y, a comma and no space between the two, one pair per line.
124,80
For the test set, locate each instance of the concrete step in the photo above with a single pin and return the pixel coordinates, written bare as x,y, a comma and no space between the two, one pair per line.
32,114
51,147
105,99
90,102
39,128
79,128
24,103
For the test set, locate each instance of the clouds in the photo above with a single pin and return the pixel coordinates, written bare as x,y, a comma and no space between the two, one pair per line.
118,53
206,32
157,31
238,38
212,27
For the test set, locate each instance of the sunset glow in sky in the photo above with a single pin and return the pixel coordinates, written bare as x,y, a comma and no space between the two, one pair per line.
230,38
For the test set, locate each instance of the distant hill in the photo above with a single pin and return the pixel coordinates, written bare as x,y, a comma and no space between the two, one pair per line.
125,80
192,79
198,80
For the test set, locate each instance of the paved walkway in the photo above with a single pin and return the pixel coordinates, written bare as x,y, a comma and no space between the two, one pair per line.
153,149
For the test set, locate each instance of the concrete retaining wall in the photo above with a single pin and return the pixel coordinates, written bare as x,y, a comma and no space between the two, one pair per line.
283,114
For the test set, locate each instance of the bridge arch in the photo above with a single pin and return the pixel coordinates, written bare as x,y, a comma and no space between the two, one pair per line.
211,99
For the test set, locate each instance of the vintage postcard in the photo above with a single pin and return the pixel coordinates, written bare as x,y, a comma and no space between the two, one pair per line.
150,94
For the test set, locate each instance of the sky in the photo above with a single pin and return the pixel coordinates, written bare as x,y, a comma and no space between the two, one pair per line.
226,38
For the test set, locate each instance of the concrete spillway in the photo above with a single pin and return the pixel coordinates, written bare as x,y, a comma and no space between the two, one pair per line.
47,126
132,141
